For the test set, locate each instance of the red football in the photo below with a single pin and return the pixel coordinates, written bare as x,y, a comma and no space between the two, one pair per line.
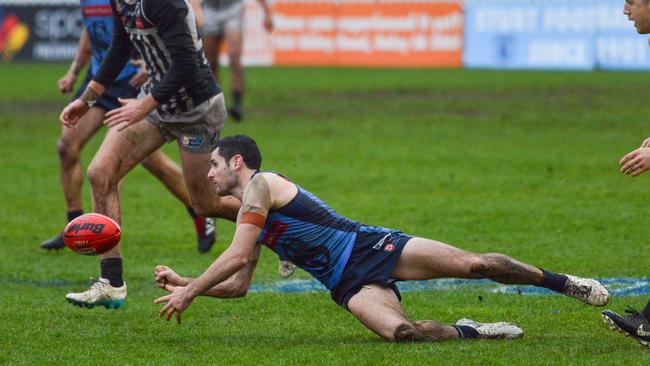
92,234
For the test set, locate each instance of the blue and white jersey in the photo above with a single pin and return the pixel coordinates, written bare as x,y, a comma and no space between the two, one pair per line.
312,236
98,19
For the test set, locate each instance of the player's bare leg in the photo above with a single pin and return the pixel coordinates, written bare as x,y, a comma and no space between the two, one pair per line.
170,174
378,308
424,259
69,149
119,154
212,47
234,41
204,198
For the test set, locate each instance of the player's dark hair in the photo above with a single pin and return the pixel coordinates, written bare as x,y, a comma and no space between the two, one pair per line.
240,145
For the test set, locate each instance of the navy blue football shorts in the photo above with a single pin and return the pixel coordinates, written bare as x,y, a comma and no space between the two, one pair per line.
373,258
108,101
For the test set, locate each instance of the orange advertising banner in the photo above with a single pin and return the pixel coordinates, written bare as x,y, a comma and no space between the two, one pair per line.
404,33
368,33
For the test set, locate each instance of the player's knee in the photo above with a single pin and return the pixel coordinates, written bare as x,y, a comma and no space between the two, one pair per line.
101,177
68,153
479,265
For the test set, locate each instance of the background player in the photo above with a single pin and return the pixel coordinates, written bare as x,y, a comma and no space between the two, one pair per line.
357,263
635,324
179,102
224,20
93,44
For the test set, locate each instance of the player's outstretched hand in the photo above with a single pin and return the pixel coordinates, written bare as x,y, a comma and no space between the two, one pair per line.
66,83
132,111
636,162
166,276
72,112
177,301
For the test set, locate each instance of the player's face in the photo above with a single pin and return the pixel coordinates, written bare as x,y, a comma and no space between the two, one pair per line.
639,12
221,175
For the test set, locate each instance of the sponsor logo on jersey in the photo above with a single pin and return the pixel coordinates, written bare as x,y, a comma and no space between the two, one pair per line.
192,142
273,234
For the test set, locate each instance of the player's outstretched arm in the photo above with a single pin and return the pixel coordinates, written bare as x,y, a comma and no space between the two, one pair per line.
238,255
242,252
236,286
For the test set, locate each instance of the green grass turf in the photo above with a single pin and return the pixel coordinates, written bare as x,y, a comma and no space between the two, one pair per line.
523,163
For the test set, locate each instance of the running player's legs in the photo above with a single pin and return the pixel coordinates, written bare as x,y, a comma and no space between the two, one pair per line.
119,153
234,41
205,200
169,173
69,148
379,309
424,259
212,47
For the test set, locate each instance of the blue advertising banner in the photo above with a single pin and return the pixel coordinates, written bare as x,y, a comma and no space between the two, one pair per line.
552,34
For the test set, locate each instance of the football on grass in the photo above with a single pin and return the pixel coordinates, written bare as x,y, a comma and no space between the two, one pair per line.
92,234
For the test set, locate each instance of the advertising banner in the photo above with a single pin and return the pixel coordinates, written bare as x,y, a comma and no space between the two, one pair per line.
552,34
39,33
368,33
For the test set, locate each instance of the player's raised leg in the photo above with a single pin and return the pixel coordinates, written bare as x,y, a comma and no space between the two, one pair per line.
378,308
170,174
424,259
120,153
71,142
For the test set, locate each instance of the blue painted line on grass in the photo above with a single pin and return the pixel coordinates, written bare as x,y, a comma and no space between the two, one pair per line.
620,286
617,286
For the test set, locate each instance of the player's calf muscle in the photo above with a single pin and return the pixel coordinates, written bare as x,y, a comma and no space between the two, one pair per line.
420,331
503,269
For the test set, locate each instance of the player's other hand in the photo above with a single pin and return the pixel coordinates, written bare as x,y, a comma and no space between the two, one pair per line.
166,276
132,111
177,301
636,162
66,83
72,112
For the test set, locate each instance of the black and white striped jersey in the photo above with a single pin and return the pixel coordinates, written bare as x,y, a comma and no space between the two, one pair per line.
164,32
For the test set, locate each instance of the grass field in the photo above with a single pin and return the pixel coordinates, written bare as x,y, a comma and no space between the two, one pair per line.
523,163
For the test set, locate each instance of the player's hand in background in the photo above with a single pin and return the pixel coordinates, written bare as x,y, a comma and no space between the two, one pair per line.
66,83
636,162
72,112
